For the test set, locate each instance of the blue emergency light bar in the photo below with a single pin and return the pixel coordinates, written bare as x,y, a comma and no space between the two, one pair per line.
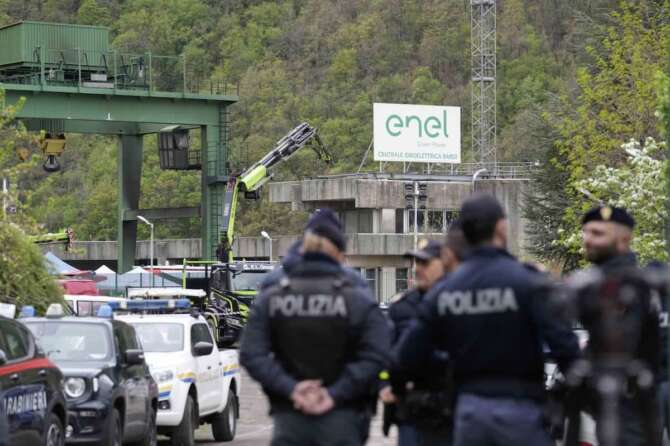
105,311
163,305
27,311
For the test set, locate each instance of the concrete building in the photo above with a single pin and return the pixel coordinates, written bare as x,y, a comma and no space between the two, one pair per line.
379,227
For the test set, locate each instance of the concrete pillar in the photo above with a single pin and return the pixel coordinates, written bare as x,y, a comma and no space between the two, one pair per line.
387,225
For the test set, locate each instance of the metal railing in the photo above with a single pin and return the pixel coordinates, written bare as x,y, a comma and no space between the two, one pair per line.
114,70
509,170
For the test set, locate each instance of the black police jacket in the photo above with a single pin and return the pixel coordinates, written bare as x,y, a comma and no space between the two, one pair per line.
403,311
646,334
492,317
432,375
266,352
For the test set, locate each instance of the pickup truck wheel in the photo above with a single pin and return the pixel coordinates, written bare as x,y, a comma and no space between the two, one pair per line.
224,424
183,434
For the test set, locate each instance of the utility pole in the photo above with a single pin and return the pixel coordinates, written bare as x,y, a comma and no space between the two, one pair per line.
483,47
415,200
151,246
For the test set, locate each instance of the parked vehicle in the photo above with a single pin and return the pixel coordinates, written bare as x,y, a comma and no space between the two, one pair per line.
32,402
111,396
198,384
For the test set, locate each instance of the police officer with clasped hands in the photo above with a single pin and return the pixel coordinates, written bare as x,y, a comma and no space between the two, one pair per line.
316,342
491,317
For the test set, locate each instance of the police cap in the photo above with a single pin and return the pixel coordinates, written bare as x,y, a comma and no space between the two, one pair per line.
428,250
324,223
609,213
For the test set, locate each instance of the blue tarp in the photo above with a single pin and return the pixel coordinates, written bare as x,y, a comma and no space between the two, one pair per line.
56,266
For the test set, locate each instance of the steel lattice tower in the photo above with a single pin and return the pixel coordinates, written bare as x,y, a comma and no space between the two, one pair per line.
483,42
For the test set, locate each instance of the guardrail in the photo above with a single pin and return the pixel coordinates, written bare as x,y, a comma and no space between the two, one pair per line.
115,70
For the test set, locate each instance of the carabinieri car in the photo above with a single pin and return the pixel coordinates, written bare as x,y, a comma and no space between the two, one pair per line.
111,396
32,404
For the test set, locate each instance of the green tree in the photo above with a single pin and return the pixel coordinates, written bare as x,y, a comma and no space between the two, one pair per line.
24,279
635,186
93,13
616,100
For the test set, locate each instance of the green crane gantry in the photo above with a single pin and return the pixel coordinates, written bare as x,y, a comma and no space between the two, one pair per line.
73,82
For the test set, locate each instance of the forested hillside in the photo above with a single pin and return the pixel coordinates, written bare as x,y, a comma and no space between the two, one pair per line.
326,62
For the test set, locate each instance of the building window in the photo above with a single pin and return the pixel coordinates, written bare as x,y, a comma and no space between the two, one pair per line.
434,221
365,221
371,279
450,216
400,221
410,218
431,220
401,279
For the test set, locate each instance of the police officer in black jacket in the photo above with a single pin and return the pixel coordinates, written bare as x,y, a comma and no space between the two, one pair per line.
316,344
619,307
491,316
421,402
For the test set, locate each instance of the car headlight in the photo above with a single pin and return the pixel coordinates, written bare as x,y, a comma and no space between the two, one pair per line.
75,387
162,376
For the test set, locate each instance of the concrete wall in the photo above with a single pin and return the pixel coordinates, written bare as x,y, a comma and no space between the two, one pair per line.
363,193
386,195
381,245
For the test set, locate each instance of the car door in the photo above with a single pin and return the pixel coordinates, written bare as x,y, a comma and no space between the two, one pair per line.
207,373
134,381
23,397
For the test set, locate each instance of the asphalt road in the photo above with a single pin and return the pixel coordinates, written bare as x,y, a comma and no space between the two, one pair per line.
255,426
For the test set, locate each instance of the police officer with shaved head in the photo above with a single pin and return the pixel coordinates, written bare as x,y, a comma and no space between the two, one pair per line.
316,342
491,317
617,303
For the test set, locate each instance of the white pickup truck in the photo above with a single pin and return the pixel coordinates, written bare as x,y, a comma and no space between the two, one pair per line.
197,383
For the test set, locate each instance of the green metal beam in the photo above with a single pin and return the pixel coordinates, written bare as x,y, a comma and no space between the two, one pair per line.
115,108
93,127
130,173
101,127
162,214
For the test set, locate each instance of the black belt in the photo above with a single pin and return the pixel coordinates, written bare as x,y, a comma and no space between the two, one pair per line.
504,388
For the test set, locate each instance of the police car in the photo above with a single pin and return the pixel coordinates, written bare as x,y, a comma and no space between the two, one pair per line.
197,383
111,396
32,404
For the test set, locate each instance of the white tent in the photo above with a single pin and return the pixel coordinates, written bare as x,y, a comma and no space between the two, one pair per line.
104,270
137,270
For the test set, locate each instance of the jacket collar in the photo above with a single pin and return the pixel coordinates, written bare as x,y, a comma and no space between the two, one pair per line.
621,261
315,263
488,252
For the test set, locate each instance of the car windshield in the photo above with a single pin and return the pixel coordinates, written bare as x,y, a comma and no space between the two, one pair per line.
248,280
160,337
63,341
